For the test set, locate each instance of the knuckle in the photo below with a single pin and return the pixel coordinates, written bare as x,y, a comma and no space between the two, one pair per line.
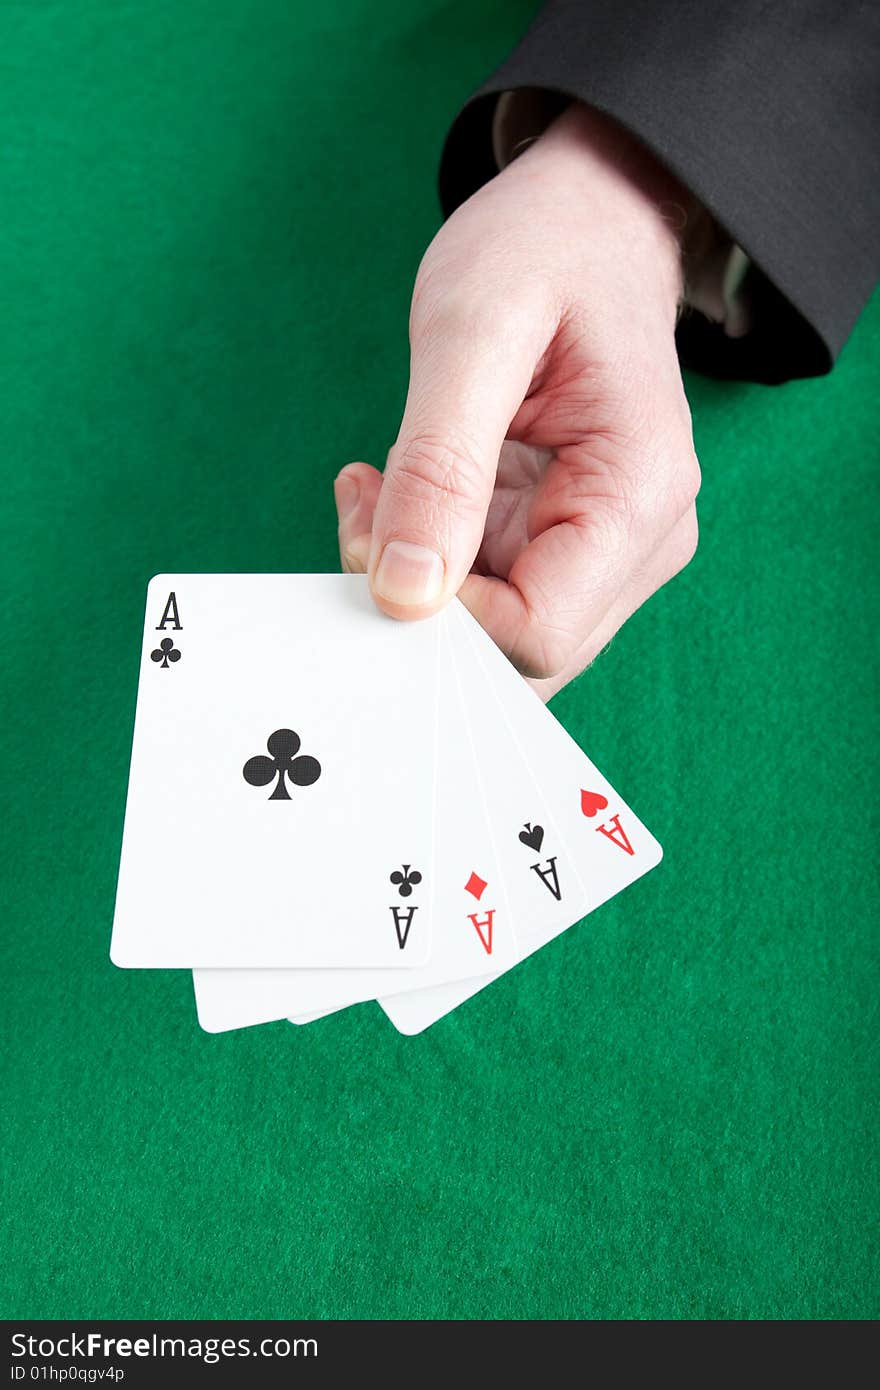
682,546
675,488
445,298
544,647
445,471
608,525
457,314
604,495
690,477
540,654
472,302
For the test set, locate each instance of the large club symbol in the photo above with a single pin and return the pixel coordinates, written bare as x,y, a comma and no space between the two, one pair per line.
283,745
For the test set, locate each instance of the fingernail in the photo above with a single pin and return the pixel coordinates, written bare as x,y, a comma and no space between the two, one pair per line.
356,555
346,491
409,574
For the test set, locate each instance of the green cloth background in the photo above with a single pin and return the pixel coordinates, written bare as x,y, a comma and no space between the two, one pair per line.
212,213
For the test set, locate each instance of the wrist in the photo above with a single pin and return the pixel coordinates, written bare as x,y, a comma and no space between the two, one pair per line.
625,196
713,270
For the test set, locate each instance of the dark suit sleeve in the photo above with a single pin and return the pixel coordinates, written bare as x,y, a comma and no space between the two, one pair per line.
767,110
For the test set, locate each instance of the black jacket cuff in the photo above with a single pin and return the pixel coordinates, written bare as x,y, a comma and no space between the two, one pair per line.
767,113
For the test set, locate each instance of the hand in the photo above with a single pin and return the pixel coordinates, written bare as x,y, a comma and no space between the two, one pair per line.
544,469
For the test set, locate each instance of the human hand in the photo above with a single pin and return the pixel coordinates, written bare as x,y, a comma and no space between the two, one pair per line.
544,469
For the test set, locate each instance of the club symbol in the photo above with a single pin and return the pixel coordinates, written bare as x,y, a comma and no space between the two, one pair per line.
405,882
283,745
165,652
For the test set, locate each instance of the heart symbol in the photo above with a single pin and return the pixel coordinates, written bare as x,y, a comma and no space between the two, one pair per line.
591,802
533,836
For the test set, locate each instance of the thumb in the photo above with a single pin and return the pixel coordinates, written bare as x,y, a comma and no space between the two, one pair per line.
469,374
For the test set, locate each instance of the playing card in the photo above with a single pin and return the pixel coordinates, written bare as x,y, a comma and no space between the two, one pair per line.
610,844
281,796
472,928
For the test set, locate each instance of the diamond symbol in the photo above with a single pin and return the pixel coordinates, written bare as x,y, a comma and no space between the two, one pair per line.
475,886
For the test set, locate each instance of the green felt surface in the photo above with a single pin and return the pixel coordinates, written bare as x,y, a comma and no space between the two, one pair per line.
212,213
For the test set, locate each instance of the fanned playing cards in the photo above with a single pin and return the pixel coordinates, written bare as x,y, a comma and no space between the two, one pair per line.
326,806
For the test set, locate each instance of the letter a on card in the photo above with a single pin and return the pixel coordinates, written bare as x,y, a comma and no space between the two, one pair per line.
402,923
479,923
549,877
615,832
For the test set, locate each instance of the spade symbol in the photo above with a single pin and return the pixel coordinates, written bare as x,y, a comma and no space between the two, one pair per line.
533,836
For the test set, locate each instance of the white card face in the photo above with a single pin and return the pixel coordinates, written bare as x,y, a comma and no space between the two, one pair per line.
610,844
473,932
281,796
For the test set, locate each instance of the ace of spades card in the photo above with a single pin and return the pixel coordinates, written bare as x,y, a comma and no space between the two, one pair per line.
280,810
